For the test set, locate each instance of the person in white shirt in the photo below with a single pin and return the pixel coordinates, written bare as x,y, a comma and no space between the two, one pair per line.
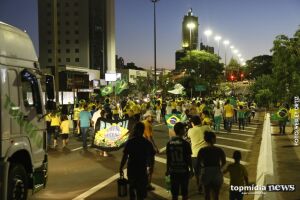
218,113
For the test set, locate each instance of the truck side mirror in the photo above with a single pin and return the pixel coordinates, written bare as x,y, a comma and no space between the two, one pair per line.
50,87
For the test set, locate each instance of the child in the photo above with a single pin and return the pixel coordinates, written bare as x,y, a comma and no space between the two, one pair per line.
179,162
64,127
238,176
241,117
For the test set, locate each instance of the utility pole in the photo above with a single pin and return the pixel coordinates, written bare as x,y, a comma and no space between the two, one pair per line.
154,29
54,42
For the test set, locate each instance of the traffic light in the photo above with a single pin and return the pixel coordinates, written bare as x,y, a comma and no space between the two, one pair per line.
231,77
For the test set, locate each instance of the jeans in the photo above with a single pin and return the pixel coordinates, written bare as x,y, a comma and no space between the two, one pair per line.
229,123
217,122
179,181
84,131
241,123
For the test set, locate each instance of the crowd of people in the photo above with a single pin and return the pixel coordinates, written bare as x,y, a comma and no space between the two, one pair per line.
190,151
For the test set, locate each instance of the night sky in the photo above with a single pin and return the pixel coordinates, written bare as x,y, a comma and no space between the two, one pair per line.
250,25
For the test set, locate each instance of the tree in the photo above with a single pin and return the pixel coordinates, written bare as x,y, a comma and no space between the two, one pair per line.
286,60
263,82
259,65
264,98
202,67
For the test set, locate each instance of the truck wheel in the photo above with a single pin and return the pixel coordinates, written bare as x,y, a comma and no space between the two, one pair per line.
17,183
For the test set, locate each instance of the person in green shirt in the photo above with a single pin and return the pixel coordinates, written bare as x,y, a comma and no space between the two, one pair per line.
241,117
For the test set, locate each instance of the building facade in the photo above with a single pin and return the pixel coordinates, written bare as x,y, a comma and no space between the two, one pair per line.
190,34
84,34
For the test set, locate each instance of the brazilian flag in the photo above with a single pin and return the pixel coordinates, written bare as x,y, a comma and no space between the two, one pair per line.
282,114
107,90
172,119
121,85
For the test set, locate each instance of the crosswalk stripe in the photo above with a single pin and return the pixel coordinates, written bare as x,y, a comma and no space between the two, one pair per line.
246,126
235,129
246,135
230,147
232,139
164,161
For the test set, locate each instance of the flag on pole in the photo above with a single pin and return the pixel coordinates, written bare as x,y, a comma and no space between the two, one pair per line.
107,90
121,85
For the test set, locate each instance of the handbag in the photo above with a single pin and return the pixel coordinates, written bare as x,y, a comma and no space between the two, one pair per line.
122,186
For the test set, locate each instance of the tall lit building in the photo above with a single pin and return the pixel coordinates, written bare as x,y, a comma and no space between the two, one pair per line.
190,31
85,34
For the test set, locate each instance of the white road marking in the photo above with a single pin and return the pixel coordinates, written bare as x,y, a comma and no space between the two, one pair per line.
246,135
98,187
242,130
164,161
76,149
248,126
231,139
230,147
158,124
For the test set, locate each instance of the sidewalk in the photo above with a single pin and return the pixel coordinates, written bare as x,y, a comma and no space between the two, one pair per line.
286,158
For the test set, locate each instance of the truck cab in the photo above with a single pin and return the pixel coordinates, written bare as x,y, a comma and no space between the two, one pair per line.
23,153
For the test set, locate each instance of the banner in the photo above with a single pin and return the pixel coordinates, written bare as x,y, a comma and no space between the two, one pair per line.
110,135
172,119
178,89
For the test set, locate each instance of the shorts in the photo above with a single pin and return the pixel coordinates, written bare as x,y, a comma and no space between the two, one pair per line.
64,136
212,176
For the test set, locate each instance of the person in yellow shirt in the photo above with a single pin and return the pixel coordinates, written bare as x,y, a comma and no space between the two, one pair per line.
48,125
158,111
55,123
292,113
64,128
229,113
238,175
148,134
173,104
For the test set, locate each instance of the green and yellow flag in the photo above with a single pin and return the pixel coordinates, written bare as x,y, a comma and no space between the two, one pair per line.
121,85
107,90
172,119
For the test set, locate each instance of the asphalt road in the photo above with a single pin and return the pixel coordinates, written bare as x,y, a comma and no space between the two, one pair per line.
76,174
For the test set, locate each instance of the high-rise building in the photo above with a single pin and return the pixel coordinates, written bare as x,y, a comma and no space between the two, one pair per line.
83,39
190,31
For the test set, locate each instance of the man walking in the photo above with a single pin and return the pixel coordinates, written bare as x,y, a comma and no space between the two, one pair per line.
137,151
84,124
148,134
196,135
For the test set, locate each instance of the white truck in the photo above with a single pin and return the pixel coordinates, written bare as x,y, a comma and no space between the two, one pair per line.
23,154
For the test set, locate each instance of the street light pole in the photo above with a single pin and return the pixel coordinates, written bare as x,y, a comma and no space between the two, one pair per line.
218,38
154,23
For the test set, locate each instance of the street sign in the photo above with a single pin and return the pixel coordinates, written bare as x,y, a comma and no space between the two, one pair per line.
200,88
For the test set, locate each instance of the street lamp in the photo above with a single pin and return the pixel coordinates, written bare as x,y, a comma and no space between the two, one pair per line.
207,33
218,38
154,25
226,42
191,26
